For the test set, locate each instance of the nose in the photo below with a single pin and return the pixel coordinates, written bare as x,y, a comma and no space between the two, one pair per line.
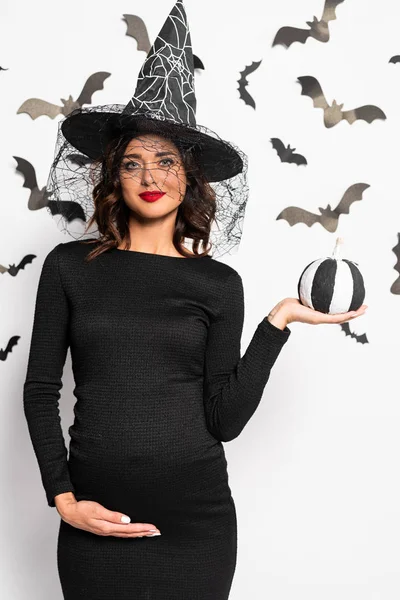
147,177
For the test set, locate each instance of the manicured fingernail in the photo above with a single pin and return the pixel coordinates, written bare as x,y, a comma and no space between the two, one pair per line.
125,519
153,534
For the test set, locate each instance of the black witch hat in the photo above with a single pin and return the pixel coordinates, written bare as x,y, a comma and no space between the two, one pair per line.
164,103
165,92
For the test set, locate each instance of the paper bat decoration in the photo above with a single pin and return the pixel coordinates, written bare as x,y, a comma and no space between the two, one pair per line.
35,107
395,59
328,218
243,93
395,288
13,270
1,69
286,153
40,198
12,342
138,30
319,30
361,339
333,114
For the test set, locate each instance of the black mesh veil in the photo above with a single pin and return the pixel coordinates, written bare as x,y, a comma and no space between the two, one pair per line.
76,169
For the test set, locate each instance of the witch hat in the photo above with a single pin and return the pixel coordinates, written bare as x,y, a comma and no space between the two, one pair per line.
164,101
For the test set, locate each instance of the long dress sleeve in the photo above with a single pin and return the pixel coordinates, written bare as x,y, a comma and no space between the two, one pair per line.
41,392
233,385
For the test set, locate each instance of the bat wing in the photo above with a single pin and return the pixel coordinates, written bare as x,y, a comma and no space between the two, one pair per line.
286,36
368,113
35,107
279,146
244,94
27,260
27,171
94,83
311,87
69,210
396,250
352,194
138,30
12,342
346,328
395,287
294,215
361,339
197,63
250,68
329,13
298,159
395,59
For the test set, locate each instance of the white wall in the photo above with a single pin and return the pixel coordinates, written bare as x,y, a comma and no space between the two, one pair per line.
314,474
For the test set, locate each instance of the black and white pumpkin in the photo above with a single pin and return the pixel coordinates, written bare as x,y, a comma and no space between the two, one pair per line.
332,285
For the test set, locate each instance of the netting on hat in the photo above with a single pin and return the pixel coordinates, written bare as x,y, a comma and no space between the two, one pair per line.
74,173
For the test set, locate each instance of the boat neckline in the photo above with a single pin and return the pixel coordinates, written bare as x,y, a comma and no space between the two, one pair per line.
155,254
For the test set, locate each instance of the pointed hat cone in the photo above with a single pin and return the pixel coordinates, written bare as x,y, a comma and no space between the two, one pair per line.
166,80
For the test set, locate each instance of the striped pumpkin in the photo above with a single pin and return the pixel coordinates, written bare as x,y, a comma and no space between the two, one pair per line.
332,285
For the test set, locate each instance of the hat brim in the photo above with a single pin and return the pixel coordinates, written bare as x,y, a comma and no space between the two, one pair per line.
91,132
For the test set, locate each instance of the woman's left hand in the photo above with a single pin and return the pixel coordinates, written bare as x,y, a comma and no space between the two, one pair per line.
291,310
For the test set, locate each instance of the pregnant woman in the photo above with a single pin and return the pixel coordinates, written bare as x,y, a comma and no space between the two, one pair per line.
154,332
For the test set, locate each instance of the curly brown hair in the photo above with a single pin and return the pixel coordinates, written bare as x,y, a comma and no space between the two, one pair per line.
111,214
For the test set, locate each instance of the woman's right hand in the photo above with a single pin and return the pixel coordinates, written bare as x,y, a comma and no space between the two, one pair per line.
94,517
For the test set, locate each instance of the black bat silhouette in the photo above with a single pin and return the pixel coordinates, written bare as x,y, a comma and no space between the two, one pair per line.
395,287
319,29
40,198
361,339
12,342
395,59
328,218
243,93
13,270
286,153
35,107
2,69
137,29
333,114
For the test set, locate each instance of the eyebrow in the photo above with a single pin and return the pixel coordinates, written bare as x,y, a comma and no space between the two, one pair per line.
158,155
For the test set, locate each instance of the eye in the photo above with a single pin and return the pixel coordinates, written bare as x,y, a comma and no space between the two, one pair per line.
170,161
128,163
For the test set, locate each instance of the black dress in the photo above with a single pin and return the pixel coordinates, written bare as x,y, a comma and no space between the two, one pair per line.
159,384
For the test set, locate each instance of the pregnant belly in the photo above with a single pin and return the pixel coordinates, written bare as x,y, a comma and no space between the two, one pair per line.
184,500
148,469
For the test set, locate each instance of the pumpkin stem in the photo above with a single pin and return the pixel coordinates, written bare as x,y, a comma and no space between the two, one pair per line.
337,249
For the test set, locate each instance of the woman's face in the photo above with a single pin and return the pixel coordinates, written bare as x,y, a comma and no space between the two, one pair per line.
152,163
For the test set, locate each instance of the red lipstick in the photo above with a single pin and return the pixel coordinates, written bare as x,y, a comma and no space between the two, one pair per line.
151,196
